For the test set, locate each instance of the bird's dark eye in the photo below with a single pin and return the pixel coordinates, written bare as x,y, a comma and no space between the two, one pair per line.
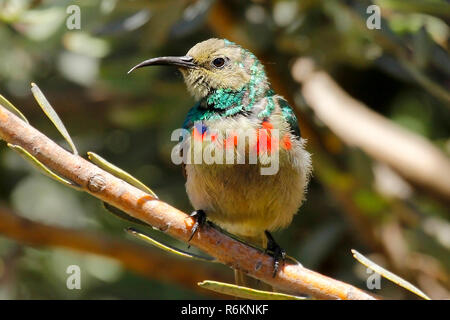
218,62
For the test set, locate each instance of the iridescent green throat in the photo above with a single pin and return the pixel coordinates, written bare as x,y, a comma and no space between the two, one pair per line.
220,103
226,102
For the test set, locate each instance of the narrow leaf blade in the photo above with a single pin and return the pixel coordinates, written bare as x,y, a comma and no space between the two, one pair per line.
8,105
167,248
39,165
388,275
244,292
52,115
116,171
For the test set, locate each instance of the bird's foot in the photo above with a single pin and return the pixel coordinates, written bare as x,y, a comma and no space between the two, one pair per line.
278,253
200,220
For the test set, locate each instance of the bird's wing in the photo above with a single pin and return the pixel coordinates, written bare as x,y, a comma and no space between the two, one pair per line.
188,123
290,117
192,116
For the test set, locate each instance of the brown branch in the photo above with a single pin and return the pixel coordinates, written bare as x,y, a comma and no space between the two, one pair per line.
411,155
138,258
291,278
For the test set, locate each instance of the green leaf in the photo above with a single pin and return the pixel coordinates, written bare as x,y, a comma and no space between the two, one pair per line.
246,293
52,115
167,248
8,105
116,171
42,167
388,275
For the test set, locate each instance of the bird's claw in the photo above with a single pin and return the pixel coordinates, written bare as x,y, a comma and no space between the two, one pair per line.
278,253
200,219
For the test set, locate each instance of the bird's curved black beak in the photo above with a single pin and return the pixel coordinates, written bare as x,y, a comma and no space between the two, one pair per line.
183,61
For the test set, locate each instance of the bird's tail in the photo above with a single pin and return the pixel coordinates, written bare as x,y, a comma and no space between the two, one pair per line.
242,279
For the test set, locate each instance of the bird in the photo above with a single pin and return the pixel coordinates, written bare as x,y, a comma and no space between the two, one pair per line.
234,97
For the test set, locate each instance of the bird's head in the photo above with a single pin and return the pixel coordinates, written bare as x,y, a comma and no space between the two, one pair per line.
216,64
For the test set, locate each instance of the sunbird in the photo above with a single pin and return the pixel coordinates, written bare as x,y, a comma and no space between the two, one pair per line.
238,111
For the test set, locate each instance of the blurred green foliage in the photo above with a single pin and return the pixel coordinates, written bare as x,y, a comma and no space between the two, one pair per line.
401,71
